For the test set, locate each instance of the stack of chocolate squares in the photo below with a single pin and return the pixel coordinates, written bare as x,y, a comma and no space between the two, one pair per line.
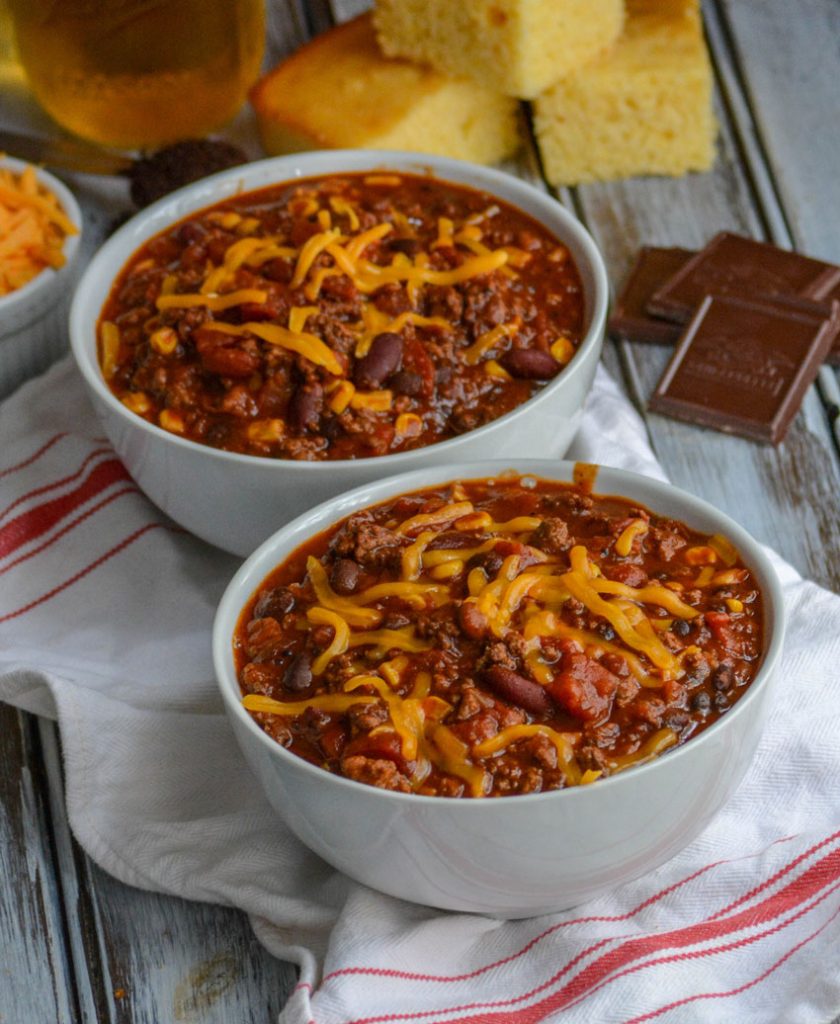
752,325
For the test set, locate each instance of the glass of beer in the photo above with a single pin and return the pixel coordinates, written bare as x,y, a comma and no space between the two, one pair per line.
139,73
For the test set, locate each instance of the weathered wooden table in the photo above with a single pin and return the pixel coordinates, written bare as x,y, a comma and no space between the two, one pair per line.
75,945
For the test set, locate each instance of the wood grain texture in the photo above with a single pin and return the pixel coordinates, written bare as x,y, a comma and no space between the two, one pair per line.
36,978
785,496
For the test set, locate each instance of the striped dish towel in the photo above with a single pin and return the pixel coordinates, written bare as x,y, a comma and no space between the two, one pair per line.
105,617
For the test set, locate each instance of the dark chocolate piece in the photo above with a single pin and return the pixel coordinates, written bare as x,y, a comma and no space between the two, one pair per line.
630,320
743,366
734,265
826,292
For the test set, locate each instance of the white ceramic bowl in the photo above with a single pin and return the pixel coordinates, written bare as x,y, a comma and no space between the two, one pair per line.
519,855
33,319
236,501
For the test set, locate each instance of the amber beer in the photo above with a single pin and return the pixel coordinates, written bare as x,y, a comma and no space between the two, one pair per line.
135,73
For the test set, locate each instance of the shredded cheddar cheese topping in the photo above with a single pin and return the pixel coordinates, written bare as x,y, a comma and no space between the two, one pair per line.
33,229
523,594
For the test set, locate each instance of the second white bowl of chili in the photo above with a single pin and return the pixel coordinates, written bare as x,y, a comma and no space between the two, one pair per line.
477,688
270,336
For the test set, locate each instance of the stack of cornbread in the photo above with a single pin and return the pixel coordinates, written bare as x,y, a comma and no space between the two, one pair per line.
617,88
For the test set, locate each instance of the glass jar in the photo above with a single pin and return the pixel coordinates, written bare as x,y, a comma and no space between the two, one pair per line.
138,73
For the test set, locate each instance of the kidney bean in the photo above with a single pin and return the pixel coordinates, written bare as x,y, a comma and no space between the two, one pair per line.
276,602
345,576
489,561
472,622
518,690
304,411
298,674
530,364
384,358
219,356
405,382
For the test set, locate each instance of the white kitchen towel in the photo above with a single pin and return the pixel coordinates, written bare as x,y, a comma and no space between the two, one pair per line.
105,617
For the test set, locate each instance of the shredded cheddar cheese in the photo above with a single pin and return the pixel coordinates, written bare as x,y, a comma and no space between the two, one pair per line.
33,229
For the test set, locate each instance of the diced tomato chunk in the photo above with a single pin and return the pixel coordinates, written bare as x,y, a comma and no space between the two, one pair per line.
583,687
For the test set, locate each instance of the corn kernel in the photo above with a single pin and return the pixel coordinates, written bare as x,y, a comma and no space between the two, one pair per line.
266,430
495,369
230,220
169,284
171,421
408,424
342,396
164,340
704,577
137,401
562,350
378,401
702,555
734,605
447,570
324,220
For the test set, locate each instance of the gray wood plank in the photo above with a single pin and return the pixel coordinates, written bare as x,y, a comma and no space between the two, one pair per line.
791,104
140,957
36,982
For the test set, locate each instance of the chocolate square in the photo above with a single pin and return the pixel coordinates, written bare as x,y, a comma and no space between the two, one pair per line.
733,265
825,293
629,320
743,366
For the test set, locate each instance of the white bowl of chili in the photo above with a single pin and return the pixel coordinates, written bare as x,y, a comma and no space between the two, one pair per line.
222,378
44,217
528,853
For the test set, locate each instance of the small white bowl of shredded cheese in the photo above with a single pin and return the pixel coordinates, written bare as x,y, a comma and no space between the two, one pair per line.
40,232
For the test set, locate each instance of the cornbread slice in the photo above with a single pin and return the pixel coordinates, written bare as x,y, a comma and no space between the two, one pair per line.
646,108
516,46
339,91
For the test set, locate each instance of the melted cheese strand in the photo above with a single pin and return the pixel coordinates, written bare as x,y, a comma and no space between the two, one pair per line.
341,637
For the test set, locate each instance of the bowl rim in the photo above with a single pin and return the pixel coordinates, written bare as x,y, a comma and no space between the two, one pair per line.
71,208
263,560
166,211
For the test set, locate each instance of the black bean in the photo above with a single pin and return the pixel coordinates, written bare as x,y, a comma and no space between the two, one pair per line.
405,382
701,702
298,674
721,701
530,364
681,628
274,603
383,358
410,246
304,411
345,576
723,677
